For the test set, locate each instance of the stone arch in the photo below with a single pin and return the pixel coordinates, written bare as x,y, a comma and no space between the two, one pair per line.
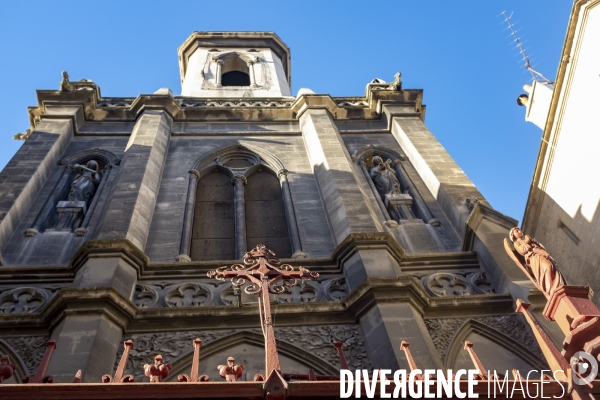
104,156
235,69
21,370
295,357
491,346
238,162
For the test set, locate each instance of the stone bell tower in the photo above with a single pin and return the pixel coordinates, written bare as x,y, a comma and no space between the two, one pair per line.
234,64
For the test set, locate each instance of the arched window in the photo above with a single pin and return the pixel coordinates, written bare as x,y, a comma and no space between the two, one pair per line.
265,214
235,202
234,69
213,232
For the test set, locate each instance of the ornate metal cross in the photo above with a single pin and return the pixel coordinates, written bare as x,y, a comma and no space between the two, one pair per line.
263,270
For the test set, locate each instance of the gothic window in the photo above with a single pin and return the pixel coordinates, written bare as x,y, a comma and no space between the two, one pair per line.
213,232
265,214
235,202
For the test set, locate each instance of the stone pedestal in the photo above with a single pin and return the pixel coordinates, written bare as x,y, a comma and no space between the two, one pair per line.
401,205
69,215
569,306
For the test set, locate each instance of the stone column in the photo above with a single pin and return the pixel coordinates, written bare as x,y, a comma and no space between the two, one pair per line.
129,213
188,221
342,190
251,74
218,73
240,215
27,172
290,216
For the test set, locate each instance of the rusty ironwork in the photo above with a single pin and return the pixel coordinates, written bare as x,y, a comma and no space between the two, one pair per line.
119,378
6,368
40,375
231,371
193,377
411,361
157,371
264,274
482,372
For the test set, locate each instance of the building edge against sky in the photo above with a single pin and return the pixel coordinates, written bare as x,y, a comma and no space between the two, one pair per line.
115,208
563,206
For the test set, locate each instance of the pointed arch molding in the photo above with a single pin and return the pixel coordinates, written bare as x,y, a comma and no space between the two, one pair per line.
217,160
507,331
105,156
311,346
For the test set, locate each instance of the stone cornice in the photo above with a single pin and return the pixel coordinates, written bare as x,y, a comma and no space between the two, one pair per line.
96,109
109,249
479,213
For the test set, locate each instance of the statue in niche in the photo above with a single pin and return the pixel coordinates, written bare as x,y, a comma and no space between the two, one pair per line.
534,260
85,183
384,177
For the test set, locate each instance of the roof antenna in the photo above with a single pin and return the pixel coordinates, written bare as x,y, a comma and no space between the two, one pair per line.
536,75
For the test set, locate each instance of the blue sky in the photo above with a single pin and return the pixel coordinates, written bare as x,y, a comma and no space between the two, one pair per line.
457,51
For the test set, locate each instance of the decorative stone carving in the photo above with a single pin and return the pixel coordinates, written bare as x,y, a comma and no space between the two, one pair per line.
65,85
397,83
23,300
443,330
31,349
352,103
384,177
234,103
317,340
471,201
194,294
187,295
447,284
145,296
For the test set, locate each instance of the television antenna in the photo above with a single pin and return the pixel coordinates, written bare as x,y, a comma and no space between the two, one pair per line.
536,75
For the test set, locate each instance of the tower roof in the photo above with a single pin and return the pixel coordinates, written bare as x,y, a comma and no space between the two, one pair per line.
235,39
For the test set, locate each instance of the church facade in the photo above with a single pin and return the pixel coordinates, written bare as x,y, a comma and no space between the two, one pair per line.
114,210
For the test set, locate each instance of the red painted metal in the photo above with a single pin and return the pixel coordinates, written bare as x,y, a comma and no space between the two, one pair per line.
157,371
119,378
232,371
6,368
476,362
339,346
193,377
40,375
263,271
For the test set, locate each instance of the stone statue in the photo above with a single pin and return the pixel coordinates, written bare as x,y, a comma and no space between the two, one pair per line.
85,183
157,371
384,177
534,260
65,85
231,372
397,84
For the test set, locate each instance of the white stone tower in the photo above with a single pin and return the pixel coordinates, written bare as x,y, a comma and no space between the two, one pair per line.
234,64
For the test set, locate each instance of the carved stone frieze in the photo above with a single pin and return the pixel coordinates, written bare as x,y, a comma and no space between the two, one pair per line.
449,284
235,103
30,348
443,330
352,103
23,299
316,340
198,294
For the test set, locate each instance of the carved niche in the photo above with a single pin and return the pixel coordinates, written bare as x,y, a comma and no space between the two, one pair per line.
75,195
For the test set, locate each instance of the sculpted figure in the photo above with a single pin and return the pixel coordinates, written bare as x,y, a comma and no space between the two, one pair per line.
85,183
534,260
397,84
157,371
65,85
231,372
384,177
